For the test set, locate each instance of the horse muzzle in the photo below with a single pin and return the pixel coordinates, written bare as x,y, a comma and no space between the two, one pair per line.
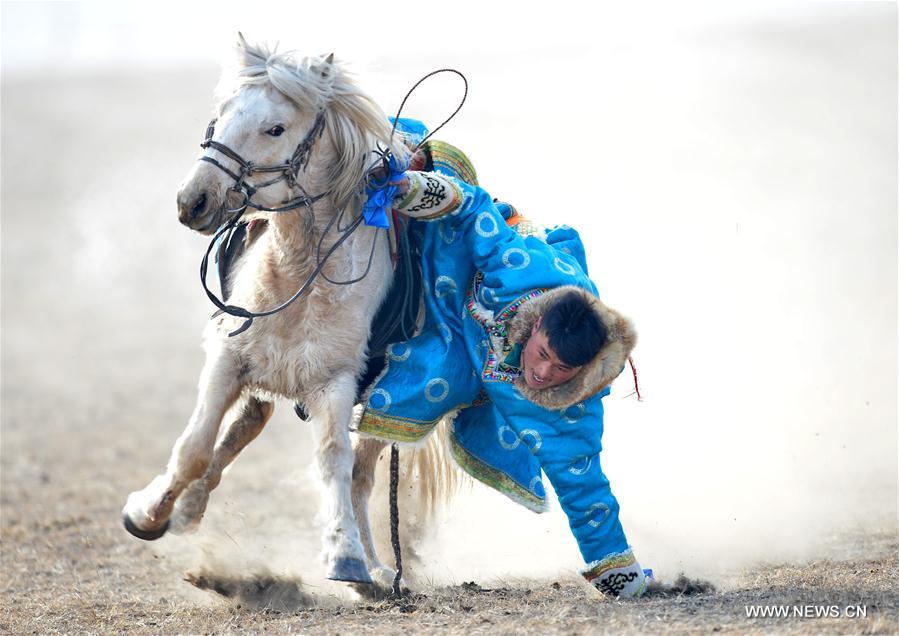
199,210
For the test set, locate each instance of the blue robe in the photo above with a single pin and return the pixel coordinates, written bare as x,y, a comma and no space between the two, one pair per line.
479,274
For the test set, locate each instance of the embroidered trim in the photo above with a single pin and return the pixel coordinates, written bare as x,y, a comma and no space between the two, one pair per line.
431,196
495,369
395,428
507,313
642,587
414,187
496,479
452,206
598,568
615,583
525,227
449,159
496,326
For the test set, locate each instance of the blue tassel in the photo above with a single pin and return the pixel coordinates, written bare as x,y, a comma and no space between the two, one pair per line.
380,196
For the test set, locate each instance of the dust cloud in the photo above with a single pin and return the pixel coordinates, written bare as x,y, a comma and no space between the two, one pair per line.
737,197
256,591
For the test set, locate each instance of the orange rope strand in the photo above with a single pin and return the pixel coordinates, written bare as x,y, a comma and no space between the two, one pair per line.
630,359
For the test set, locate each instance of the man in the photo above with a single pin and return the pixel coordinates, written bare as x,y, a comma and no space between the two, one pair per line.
517,343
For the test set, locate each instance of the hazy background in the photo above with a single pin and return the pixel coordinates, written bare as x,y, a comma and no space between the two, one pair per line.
733,171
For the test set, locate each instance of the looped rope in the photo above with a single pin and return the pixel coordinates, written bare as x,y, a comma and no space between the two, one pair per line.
394,449
445,121
395,517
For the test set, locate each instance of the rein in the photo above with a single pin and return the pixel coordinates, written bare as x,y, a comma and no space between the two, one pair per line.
241,312
289,171
376,177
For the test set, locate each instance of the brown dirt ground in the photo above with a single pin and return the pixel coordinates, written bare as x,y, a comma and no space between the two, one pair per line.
76,571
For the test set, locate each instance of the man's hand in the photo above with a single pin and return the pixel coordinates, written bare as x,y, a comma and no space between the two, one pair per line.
417,162
402,186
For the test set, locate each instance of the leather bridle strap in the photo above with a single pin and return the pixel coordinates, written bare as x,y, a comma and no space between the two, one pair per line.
289,169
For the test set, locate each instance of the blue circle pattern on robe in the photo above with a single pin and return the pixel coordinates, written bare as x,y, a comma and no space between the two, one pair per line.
499,437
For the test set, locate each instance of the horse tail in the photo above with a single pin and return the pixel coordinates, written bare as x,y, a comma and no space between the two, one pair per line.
433,471
428,481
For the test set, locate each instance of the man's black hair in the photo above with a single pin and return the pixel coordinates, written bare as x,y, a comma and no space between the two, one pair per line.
573,329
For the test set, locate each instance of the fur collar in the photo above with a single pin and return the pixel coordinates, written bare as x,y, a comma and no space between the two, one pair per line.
596,374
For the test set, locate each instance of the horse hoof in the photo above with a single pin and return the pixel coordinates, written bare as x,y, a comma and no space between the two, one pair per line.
383,577
350,570
146,535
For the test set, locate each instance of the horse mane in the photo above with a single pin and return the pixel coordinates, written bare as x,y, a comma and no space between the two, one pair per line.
353,121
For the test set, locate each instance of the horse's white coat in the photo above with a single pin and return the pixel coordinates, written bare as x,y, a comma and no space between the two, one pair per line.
314,350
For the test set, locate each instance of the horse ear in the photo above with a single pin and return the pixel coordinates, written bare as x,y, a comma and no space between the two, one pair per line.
241,42
326,67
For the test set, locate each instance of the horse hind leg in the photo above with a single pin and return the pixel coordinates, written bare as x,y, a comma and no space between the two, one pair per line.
146,513
251,419
331,415
367,450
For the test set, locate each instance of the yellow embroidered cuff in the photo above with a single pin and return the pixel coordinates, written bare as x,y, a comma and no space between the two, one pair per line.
448,159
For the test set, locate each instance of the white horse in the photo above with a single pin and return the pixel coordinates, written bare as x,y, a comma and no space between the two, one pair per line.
313,351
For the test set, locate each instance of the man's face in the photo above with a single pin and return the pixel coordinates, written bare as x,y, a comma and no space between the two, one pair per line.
541,366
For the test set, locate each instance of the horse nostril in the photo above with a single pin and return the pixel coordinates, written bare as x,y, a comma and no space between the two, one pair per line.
199,206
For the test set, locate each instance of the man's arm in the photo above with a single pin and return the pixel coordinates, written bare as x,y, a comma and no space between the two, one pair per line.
510,264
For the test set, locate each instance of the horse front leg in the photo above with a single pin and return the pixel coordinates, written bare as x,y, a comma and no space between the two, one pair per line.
331,415
250,420
146,513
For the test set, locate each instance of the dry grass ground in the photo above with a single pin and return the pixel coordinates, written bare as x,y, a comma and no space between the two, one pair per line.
75,571
69,567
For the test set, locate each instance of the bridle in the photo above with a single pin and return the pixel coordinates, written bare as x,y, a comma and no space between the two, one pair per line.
289,170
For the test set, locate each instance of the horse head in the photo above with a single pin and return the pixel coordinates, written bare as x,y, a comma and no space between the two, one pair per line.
287,132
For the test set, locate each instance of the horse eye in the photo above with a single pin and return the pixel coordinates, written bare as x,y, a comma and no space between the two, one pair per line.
275,131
